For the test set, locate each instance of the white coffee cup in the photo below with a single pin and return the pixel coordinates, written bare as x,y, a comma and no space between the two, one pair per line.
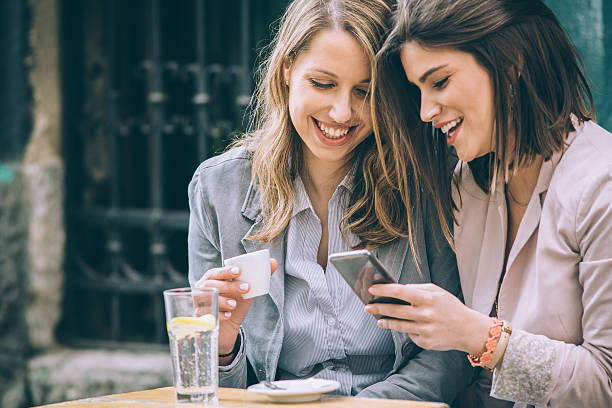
254,270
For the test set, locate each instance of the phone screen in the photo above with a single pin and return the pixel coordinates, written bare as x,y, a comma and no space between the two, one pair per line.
360,269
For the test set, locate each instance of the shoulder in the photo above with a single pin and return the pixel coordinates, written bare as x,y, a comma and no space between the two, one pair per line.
586,165
233,163
580,191
225,177
225,170
590,150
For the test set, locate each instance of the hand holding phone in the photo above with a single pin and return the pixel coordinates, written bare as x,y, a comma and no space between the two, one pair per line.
360,269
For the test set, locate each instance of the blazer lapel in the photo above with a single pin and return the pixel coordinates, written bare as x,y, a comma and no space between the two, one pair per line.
531,218
393,257
491,261
251,209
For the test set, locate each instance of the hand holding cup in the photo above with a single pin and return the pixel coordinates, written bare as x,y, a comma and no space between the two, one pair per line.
233,305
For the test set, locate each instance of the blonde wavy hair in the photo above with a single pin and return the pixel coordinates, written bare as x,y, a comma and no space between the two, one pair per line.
376,213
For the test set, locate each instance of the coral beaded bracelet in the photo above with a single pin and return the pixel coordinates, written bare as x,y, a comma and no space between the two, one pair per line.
494,334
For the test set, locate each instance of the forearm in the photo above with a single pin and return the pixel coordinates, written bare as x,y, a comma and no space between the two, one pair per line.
540,371
429,376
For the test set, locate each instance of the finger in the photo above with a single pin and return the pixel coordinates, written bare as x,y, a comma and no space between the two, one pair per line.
273,265
222,273
404,312
201,311
227,287
404,326
411,293
227,304
224,316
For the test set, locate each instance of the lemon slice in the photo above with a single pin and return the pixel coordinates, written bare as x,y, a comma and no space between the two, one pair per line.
181,327
206,321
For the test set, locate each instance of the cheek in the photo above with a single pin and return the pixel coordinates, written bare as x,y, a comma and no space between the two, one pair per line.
295,111
365,116
301,104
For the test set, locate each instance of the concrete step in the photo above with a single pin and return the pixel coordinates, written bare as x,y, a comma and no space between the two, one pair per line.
69,374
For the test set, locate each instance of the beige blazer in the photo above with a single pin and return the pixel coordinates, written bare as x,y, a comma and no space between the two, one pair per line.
557,291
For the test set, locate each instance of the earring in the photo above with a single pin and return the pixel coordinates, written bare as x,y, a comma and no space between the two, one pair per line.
287,82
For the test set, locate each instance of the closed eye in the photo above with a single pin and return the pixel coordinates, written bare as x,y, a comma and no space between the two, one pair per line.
440,84
320,85
362,92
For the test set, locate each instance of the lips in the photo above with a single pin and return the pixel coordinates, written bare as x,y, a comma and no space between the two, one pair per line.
451,136
333,136
450,126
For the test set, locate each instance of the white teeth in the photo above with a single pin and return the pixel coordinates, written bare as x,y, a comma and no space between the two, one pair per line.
446,128
333,133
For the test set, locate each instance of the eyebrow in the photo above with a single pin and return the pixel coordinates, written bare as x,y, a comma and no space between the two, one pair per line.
430,71
364,81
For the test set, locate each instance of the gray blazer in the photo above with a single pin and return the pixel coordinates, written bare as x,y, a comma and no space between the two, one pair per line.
225,210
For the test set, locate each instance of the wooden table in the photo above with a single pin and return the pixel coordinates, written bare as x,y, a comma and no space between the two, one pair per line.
232,398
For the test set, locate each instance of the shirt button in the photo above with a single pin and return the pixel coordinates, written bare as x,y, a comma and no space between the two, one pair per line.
331,321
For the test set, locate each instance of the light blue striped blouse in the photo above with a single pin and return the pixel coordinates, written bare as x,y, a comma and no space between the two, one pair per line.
327,333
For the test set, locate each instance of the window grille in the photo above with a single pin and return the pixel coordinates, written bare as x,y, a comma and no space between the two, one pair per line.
151,88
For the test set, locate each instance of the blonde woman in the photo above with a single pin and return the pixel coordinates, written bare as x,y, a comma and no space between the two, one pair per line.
305,182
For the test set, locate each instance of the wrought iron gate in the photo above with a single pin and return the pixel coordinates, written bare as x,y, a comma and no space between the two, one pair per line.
152,88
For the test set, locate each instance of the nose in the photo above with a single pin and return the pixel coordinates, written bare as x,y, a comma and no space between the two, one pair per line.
341,110
429,108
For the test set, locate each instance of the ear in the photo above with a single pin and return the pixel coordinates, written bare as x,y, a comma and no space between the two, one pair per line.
287,70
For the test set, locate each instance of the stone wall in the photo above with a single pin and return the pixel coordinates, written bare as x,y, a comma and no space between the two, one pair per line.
34,368
13,330
44,179
68,374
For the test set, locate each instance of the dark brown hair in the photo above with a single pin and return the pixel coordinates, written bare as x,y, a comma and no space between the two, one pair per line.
538,83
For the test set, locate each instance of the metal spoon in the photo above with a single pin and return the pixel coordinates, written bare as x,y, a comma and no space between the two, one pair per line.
271,386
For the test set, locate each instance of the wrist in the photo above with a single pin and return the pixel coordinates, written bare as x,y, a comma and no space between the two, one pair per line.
228,348
499,334
224,361
478,334
228,339
502,343
226,357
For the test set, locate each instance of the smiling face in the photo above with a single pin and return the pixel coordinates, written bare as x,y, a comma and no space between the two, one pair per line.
328,96
456,95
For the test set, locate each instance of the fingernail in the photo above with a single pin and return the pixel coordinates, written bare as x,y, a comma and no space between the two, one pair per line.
381,323
244,286
235,270
231,302
227,314
369,308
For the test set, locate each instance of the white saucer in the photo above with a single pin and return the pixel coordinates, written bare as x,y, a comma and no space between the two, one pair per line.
306,390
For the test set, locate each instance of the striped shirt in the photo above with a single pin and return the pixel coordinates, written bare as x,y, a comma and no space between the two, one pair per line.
327,332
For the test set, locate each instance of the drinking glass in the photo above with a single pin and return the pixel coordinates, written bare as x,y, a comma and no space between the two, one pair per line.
193,331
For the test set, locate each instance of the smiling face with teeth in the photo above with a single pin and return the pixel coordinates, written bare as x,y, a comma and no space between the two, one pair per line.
329,103
456,95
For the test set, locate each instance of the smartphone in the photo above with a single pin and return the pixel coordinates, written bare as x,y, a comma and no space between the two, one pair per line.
361,269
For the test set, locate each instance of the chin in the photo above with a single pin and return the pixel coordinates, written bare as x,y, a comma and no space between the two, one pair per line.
465,157
468,156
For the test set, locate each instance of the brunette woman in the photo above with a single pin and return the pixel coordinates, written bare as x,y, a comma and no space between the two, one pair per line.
500,81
